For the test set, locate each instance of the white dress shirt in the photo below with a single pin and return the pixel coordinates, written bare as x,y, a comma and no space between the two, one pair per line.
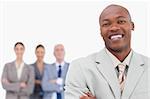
116,62
19,69
57,65
54,96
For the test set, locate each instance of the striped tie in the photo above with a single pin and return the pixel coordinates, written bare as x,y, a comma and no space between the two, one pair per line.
122,76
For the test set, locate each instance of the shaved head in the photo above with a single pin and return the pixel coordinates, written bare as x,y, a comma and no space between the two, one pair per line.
113,7
115,28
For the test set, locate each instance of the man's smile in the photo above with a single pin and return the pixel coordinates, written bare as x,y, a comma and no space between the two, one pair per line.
116,36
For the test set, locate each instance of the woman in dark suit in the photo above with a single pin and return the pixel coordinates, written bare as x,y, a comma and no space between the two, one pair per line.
17,76
38,70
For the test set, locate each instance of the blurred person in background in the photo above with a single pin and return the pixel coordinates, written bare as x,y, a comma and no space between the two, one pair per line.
17,76
38,71
55,74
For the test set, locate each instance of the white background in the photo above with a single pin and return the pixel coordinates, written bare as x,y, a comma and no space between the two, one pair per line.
72,23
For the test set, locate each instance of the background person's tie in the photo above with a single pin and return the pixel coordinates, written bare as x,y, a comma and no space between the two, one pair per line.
59,71
59,75
122,75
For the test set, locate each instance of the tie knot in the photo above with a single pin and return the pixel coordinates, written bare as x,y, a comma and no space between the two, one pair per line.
59,66
121,67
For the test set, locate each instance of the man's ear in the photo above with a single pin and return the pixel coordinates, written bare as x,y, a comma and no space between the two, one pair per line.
132,26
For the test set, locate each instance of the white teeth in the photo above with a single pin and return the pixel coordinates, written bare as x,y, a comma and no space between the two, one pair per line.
116,37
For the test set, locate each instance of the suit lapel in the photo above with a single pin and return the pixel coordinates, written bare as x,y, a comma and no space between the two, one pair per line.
24,72
64,71
106,68
37,71
136,69
14,71
55,70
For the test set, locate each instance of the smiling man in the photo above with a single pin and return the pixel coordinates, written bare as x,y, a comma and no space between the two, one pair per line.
116,72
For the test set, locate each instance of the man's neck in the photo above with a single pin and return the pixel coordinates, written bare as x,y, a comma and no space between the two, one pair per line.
59,61
121,55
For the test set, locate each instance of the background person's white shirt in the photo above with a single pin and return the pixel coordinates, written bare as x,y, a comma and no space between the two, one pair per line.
19,69
59,80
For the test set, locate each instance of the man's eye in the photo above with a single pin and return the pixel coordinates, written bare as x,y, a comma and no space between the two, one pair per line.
105,24
121,21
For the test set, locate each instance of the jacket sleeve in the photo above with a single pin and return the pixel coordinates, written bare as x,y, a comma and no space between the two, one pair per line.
10,86
48,86
75,84
30,83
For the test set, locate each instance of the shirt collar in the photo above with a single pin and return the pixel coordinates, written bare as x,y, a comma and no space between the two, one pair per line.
116,61
57,64
19,66
62,63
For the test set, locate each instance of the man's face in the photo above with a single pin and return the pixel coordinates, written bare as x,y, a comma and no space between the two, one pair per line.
59,52
116,28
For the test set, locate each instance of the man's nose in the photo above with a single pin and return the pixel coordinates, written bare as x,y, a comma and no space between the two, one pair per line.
114,27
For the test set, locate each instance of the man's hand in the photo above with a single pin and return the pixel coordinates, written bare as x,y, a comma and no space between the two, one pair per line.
53,81
38,82
88,96
58,81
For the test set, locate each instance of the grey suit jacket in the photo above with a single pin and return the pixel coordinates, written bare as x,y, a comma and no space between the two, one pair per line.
50,73
96,74
13,90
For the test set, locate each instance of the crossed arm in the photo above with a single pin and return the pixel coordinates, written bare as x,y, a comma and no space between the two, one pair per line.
21,88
